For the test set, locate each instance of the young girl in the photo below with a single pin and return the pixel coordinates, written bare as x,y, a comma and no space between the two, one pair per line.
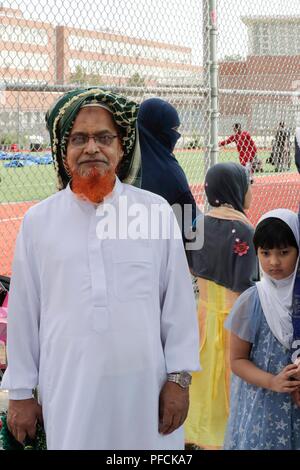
296,325
263,414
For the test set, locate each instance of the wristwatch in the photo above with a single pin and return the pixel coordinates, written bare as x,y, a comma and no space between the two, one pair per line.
183,378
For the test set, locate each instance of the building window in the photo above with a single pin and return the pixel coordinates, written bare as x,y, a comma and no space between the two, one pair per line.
24,60
23,35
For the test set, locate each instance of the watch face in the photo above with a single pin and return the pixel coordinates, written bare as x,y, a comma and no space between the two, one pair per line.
185,379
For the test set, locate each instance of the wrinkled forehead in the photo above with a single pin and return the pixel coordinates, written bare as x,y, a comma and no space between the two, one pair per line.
94,117
96,105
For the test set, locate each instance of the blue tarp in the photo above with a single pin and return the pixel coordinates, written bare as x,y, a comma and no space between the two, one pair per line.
20,159
14,164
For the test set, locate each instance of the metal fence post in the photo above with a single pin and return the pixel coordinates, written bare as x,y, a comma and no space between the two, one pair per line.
213,75
210,76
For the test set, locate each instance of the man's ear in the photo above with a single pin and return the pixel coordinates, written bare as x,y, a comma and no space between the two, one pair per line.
121,154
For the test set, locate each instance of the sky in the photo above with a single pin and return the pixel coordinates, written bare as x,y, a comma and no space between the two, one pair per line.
173,21
233,37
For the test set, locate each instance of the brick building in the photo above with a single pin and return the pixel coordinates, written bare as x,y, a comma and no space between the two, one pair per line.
115,58
37,53
260,87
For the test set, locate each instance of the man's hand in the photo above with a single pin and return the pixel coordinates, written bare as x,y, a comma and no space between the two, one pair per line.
22,418
282,383
173,407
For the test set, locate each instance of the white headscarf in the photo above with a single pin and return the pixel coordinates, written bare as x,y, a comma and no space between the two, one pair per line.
276,297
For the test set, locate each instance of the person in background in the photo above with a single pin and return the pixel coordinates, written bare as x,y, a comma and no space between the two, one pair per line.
297,149
280,156
263,415
226,266
100,319
158,124
245,146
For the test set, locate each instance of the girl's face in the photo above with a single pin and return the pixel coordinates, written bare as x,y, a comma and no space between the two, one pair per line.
278,263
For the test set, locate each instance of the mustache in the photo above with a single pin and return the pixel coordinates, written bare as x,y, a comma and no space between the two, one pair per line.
97,159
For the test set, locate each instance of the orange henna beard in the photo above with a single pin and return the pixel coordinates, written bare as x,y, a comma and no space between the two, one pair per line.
93,187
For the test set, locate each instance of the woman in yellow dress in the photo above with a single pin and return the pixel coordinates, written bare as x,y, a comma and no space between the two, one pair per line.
226,265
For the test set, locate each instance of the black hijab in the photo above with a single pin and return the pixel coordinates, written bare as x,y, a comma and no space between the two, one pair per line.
161,172
228,256
227,183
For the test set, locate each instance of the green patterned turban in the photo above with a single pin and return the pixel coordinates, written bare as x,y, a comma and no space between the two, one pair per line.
60,119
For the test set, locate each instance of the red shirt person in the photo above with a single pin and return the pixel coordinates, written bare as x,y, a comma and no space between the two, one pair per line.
244,142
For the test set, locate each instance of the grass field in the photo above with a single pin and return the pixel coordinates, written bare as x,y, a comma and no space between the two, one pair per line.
37,182
193,164
26,184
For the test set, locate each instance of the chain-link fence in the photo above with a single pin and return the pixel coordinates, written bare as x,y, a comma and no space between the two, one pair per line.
145,48
259,72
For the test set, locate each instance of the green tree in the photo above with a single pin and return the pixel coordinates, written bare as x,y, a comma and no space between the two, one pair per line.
8,138
80,77
232,58
136,80
94,79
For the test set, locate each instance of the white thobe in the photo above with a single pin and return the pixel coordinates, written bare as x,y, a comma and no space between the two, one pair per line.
96,323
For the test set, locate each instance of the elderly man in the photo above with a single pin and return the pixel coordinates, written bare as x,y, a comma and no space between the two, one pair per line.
103,323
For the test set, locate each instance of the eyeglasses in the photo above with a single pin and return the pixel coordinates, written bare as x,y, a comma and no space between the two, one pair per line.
80,140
